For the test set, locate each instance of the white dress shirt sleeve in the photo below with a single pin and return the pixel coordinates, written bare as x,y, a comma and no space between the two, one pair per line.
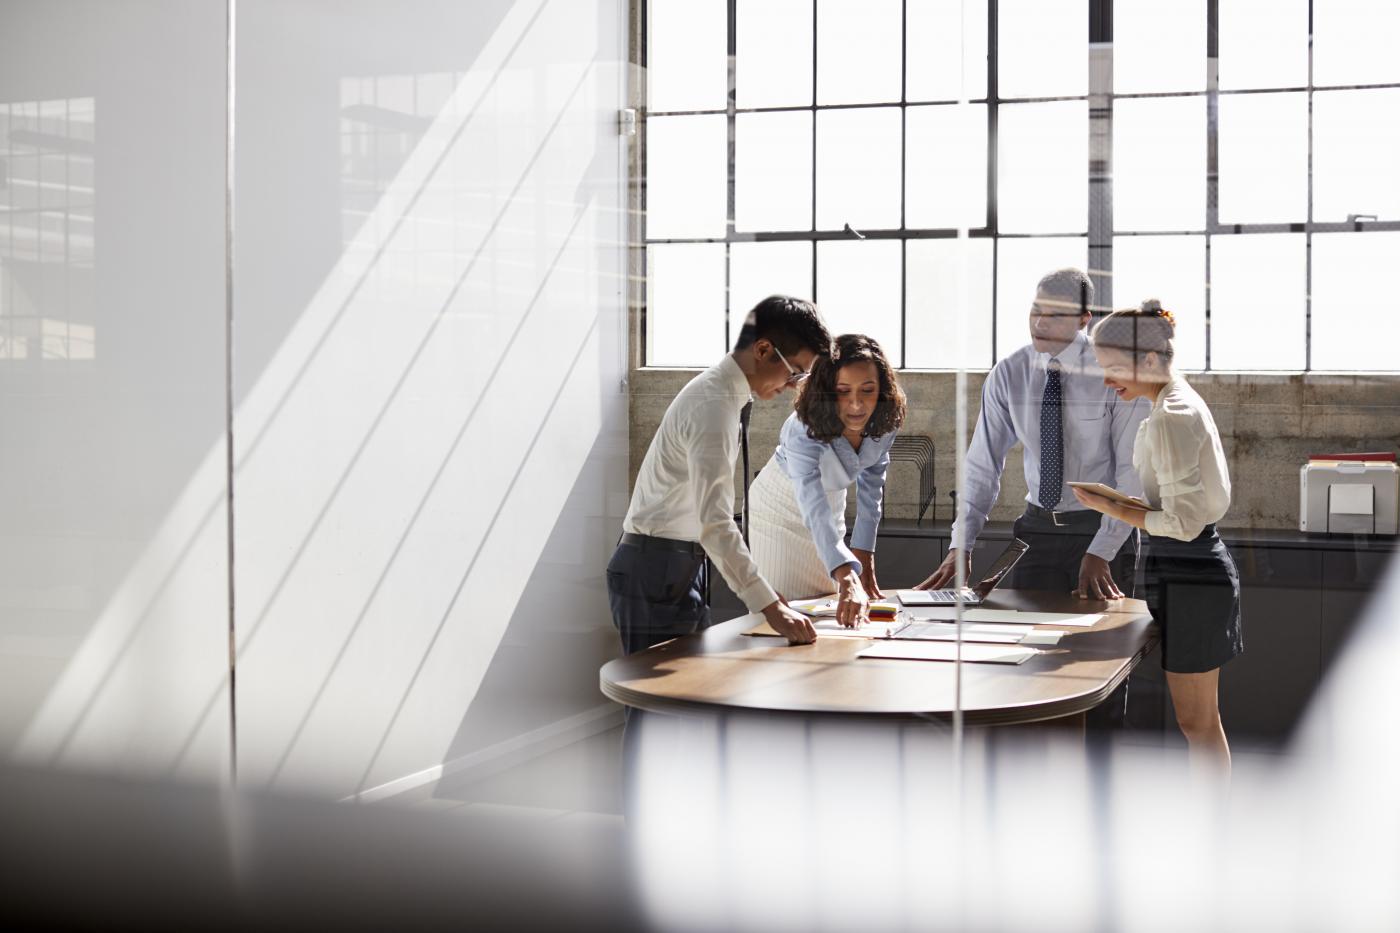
1176,438
1125,416
712,438
992,440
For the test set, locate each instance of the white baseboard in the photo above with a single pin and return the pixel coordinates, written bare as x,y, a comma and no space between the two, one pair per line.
496,758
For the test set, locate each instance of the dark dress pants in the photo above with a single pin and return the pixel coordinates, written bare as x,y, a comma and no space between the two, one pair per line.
1052,563
656,593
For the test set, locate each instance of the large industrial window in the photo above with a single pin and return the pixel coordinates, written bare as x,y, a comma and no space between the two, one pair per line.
1234,158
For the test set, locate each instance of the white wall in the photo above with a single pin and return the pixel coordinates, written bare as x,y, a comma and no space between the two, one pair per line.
113,557
430,425
445,308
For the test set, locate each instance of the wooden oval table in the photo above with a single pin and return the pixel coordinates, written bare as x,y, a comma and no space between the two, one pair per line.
722,669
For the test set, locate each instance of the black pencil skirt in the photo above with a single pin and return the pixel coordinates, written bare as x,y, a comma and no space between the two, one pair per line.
1193,591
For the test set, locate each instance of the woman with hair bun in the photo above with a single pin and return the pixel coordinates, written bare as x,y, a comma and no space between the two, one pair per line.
1193,589
847,414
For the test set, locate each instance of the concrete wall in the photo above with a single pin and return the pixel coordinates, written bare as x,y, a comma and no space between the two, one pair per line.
1269,424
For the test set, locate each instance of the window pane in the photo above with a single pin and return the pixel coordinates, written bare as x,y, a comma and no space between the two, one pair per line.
687,55
948,303
1263,43
1043,48
932,37
1356,154
945,166
1263,158
1159,46
858,168
773,53
1021,264
687,177
757,270
685,304
1258,301
1171,269
1043,167
1355,311
858,51
773,171
1354,42
858,286
1159,163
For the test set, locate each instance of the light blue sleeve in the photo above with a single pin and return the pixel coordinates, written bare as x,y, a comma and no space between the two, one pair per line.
803,456
1125,418
870,496
992,440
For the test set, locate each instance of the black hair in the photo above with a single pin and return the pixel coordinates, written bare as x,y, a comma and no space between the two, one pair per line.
790,324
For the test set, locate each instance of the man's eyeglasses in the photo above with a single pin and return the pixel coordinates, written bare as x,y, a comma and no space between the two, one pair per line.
795,375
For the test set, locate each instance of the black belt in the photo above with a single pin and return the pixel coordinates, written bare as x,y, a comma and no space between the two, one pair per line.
649,543
1063,518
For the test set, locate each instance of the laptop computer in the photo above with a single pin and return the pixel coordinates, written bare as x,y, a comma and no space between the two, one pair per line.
971,595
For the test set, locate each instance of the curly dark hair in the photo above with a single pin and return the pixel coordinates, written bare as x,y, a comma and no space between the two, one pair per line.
816,401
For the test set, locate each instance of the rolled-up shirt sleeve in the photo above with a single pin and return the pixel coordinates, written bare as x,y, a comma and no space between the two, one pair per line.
1125,418
712,436
870,496
1176,441
992,440
803,465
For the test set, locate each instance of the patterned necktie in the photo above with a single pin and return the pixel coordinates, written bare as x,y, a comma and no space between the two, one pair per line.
1052,440
744,448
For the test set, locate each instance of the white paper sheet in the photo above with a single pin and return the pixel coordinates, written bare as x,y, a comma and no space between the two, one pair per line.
1003,616
946,651
946,631
869,630
1043,637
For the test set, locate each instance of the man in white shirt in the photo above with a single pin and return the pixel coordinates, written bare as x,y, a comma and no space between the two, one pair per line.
683,503
1050,397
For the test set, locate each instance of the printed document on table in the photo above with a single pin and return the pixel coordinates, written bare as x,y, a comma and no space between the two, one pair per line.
947,631
868,630
1003,616
946,651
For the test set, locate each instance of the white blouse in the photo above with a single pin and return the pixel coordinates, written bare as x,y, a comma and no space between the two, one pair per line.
1178,456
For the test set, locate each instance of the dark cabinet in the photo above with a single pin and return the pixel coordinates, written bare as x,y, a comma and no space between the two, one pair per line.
1264,691
1350,577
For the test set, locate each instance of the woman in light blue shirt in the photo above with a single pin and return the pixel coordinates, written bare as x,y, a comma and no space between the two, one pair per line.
847,414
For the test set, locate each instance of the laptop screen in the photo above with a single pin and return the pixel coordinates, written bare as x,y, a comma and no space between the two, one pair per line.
1003,565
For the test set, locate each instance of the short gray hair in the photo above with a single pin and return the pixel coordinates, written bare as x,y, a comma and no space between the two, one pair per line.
1071,286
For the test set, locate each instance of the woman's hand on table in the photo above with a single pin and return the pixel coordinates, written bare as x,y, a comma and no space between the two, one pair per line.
867,573
852,603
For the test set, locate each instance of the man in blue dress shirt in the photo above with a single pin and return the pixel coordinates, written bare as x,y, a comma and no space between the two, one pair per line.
1050,397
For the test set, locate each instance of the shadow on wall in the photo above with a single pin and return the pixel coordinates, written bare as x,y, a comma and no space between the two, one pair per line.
396,477
560,633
